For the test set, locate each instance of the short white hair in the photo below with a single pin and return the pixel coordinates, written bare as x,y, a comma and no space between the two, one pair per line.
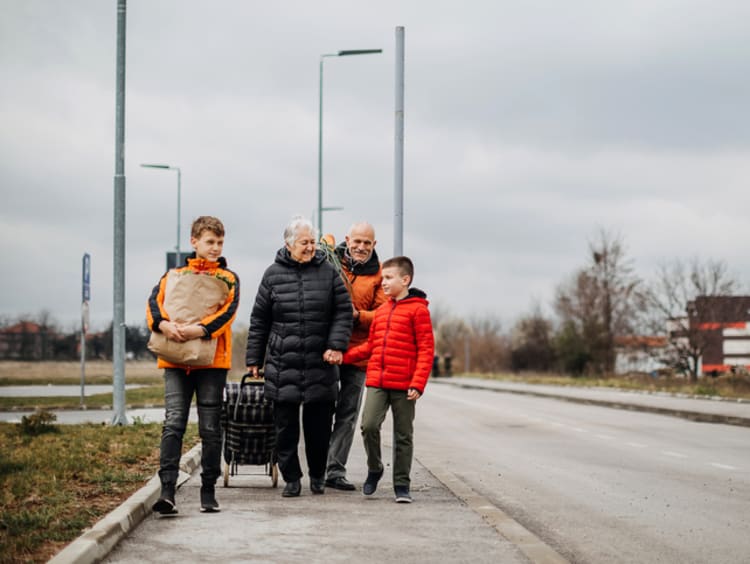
296,224
361,225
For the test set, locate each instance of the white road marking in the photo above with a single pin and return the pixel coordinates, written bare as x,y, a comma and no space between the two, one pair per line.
722,466
637,445
605,437
674,454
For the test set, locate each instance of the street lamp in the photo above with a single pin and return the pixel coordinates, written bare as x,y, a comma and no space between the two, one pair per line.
320,124
179,192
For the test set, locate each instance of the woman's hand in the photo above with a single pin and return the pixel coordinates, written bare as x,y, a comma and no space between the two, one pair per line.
333,357
253,370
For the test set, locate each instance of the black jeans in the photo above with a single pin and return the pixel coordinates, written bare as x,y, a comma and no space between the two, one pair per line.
179,387
316,423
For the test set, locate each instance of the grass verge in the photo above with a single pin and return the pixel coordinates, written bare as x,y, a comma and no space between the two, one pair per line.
726,386
57,480
149,395
21,373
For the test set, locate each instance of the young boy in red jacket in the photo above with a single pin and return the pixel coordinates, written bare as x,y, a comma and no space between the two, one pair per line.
400,347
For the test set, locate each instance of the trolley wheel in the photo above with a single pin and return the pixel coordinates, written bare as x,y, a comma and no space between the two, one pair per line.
274,475
226,474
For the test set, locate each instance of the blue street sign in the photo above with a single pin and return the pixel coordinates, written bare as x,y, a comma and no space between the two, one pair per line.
86,277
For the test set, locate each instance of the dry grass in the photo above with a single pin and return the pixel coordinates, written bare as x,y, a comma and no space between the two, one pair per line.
57,481
727,385
69,372
16,373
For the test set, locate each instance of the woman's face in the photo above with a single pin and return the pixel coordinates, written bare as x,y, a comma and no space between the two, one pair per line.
303,248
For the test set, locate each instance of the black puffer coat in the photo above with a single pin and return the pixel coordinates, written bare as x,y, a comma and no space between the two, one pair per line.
301,310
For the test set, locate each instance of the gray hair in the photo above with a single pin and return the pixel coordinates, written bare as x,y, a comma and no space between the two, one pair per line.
296,224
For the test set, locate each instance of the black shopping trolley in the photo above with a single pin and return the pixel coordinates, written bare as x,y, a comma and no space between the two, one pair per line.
249,435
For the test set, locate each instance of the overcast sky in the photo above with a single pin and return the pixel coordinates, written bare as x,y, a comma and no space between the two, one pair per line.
529,126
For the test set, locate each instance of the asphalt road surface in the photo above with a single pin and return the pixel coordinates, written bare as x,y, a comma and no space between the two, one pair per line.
597,484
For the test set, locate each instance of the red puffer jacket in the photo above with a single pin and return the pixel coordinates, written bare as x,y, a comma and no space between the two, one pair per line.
400,345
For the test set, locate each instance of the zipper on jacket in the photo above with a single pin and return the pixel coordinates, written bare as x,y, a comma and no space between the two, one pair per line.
385,338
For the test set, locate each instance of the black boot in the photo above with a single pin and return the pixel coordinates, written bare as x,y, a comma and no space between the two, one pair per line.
165,505
292,489
208,499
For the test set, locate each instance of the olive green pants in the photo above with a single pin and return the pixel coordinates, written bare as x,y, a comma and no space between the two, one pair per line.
376,407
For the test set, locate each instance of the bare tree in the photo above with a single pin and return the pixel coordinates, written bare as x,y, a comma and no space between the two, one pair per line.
672,296
488,346
532,347
601,301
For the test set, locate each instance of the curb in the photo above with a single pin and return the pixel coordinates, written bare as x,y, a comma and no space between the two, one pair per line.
97,542
697,416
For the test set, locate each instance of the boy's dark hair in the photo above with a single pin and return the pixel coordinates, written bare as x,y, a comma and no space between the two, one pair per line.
404,265
207,223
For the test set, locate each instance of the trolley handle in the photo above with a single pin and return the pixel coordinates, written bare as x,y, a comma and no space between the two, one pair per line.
249,376
247,380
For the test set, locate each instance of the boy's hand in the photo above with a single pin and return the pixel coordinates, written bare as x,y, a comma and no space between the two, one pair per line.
190,332
413,394
172,331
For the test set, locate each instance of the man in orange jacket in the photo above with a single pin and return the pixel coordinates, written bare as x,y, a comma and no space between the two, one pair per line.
361,267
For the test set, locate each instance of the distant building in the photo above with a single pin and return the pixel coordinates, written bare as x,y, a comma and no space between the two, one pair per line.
723,326
638,353
25,340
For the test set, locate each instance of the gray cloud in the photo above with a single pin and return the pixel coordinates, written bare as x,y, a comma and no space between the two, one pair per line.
528,127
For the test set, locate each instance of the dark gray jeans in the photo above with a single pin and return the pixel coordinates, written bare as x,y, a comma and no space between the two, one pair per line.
179,387
351,384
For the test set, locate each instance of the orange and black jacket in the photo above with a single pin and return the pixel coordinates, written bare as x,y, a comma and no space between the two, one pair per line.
217,325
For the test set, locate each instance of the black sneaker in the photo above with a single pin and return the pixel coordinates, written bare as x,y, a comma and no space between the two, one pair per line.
292,489
402,494
165,505
208,500
340,483
371,483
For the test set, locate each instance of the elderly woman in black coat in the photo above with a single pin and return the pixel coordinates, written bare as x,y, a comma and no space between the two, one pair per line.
299,327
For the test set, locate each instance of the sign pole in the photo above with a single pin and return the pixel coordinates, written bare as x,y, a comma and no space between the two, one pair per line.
85,297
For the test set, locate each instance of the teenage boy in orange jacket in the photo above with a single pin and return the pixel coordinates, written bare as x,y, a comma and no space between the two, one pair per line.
182,381
400,347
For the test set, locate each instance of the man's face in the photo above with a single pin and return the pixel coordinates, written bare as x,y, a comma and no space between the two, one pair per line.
360,242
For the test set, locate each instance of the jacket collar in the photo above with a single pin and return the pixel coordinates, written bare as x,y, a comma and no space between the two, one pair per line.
372,266
204,264
283,257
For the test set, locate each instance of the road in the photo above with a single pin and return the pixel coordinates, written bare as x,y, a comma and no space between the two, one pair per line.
597,484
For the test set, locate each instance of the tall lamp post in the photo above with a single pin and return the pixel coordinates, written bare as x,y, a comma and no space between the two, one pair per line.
179,196
321,209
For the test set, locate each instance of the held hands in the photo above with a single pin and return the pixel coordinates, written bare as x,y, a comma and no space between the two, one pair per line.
413,394
181,332
333,357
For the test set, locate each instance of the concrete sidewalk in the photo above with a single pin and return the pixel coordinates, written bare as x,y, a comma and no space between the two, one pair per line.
257,525
708,410
448,522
